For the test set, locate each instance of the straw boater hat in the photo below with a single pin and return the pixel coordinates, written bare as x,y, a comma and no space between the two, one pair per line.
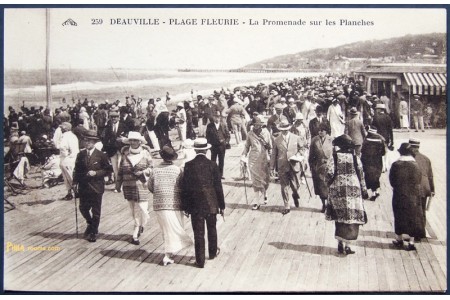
201,144
134,135
372,130
91,135
168,153
180,104
278,106
284,125
414,142
380,106
113,113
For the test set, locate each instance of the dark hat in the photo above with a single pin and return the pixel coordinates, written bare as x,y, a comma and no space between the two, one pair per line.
319,108
168,153
405,149
414,142
353,111
344,142
91,135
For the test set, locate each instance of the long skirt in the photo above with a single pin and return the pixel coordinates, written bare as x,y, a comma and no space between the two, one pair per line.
346,232
404,121
172,227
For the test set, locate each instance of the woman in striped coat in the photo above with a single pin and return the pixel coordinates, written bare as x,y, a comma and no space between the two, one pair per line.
135,166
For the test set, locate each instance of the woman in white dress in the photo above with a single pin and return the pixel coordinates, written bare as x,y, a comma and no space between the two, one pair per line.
164,183
336,119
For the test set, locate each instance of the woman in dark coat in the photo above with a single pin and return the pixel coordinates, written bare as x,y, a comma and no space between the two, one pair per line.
372,152
405,177
319,152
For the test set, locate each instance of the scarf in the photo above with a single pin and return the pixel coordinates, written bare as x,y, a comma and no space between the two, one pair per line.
135,155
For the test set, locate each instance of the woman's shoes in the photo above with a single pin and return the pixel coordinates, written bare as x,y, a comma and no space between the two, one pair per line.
167,261
397,243
374,197
285,211
323,208
348,250
135,241
141,230
340,247
256,206
265,200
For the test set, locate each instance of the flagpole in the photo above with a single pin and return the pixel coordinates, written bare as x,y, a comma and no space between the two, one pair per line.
47,61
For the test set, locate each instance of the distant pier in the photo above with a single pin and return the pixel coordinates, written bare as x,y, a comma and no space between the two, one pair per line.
251,70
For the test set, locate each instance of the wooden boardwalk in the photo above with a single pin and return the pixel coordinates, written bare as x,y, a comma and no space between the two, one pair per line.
261,251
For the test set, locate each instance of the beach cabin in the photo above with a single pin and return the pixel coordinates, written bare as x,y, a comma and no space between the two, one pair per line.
396,80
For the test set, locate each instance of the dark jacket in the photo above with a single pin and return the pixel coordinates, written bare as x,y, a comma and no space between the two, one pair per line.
216,137
202,191
99,163
427,182
110,143
314,126
383,124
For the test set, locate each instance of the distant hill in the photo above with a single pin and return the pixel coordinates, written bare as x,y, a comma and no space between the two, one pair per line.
426,46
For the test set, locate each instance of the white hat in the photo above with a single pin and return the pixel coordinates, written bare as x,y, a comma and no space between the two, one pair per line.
299,116
284,125
380,106
134,135
180,104
201,144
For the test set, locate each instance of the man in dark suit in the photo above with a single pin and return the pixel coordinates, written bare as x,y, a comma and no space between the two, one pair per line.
115,131
202,198
91,167
314,123
218,136
427,181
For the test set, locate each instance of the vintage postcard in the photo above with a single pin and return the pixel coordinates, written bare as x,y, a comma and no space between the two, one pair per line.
109,112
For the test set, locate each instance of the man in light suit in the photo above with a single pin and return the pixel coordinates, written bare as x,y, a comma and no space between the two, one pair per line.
91,166
285,146
202,197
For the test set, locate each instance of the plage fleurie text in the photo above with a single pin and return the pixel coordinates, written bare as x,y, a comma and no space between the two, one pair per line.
229,22
13,247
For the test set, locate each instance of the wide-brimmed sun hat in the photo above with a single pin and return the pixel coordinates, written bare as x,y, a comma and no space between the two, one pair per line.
134,135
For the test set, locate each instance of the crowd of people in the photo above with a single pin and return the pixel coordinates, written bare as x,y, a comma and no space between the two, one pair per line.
328,124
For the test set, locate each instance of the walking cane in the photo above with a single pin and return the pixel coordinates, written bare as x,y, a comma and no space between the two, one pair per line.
306,180
244,166
76,212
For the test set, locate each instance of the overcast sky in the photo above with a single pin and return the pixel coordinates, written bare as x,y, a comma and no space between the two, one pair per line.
195,46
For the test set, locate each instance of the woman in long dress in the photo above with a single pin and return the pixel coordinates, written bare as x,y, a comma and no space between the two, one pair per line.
372,152
405,178
135,165
257,147
319,152
164,182
347,190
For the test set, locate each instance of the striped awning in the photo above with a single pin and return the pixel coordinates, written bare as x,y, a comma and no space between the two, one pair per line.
426,83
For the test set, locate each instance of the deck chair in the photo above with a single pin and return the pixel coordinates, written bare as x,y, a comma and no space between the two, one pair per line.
12,160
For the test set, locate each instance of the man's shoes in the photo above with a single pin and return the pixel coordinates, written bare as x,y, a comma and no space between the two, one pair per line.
374,196
323,208
410,247
87,231
196,264
296,200
67,197
416,130
92,238
223,177
217,254
285,211
167,261
256,206
135,241
340,247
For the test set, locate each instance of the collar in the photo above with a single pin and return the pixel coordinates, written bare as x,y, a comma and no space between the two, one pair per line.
406,158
